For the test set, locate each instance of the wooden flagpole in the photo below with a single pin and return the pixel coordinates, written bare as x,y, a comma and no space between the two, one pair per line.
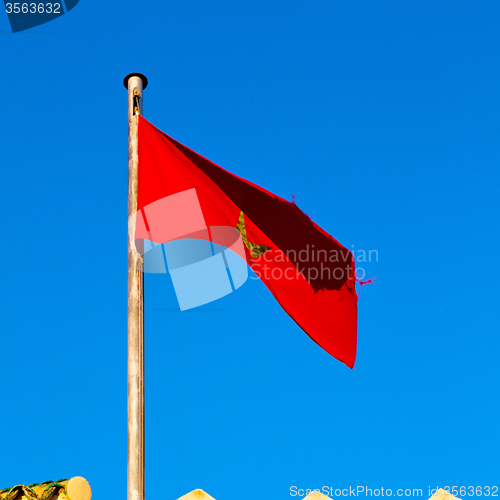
135,83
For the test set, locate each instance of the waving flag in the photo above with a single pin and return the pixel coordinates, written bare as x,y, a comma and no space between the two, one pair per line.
231,223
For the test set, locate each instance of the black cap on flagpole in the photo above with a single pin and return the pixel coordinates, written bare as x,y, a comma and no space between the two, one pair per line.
140,75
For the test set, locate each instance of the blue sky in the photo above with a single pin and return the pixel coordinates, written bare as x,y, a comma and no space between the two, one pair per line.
382,119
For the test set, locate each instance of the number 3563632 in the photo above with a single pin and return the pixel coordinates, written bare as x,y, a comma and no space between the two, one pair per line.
33,8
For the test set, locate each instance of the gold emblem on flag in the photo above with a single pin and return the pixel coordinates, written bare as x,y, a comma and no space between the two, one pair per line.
255,250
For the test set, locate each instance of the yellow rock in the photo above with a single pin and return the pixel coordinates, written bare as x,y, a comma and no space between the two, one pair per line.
443,495
317,495
197,495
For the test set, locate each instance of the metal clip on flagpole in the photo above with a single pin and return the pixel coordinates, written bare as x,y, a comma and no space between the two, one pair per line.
135,83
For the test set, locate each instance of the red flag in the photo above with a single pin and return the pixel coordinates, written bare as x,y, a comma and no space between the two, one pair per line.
311,275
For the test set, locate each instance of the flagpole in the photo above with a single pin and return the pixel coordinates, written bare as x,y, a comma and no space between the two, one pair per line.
135,82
